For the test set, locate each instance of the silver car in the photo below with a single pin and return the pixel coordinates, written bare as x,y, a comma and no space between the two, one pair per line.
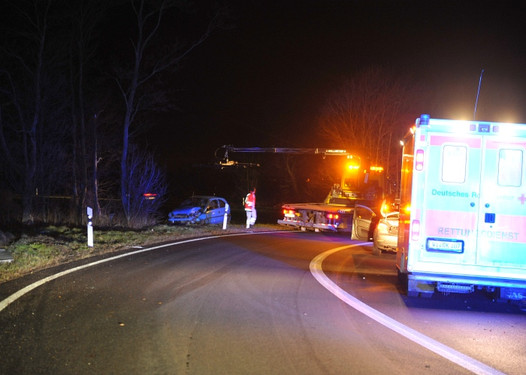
385,237
381,229
201,209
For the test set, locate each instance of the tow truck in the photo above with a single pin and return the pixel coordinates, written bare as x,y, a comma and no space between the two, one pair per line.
359,183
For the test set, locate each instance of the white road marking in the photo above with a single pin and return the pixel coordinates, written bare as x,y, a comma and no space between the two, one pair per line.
13,297
454,356
316,270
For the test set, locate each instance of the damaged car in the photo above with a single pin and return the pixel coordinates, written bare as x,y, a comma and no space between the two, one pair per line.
201,209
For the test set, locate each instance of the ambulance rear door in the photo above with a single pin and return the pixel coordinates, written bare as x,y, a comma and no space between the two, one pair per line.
502,208
445,202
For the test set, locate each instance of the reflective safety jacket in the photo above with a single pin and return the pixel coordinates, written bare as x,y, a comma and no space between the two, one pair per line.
250,201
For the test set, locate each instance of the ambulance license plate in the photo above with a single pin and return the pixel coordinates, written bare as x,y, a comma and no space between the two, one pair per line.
441,244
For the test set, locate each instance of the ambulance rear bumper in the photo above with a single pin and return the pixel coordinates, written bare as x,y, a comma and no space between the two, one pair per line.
469,280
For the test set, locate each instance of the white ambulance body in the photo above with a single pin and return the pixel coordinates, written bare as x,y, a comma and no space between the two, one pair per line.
465,229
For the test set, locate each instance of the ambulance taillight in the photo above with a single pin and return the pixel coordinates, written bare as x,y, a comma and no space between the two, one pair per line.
419,160
415,230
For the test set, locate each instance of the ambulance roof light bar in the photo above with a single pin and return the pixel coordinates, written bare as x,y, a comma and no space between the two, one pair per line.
424,119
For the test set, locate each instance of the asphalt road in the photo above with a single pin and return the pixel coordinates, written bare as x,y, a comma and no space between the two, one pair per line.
250,304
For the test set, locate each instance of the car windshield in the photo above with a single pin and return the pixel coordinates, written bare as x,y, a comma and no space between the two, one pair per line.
194,202
392,216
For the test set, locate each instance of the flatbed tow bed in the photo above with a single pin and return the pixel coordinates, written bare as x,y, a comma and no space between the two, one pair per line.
318,216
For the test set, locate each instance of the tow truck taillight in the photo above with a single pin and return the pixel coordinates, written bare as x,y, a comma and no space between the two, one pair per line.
288,213
333,216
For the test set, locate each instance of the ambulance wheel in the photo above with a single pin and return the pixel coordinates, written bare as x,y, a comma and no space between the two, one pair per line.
402,279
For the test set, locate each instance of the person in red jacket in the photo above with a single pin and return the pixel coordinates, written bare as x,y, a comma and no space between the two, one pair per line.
250,208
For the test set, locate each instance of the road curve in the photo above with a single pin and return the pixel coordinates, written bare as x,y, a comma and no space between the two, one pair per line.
226,305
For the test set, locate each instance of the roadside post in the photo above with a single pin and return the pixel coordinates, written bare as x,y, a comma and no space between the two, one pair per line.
89,211
225,217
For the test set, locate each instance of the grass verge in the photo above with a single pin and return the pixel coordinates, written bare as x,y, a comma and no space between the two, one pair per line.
50,246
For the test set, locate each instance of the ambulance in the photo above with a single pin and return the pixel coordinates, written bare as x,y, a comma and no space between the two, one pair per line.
463,208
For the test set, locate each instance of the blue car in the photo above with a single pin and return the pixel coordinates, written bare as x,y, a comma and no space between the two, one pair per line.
201,209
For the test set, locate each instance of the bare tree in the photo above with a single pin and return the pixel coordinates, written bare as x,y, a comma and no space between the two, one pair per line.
24,78
368,115
133,84
86,18
43,78
291,184
144,178
47,152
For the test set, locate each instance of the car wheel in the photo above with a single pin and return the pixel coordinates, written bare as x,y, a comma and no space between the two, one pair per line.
376,250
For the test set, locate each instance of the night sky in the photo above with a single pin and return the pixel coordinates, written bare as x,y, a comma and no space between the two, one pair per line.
263,82
264,78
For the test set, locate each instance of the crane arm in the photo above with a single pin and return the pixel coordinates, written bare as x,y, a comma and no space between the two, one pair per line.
281,150
223,153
